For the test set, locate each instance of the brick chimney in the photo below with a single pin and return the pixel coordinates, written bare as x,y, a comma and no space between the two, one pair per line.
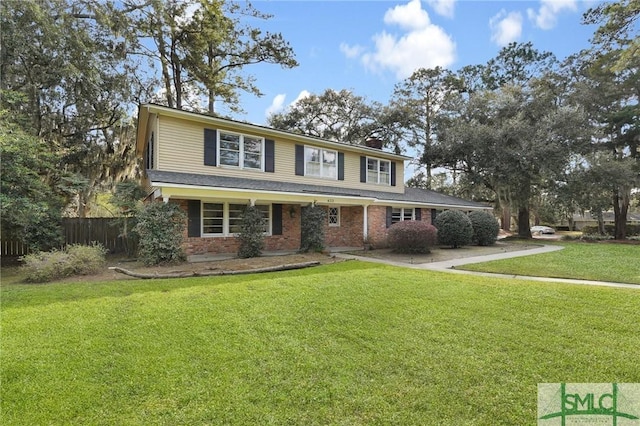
373,142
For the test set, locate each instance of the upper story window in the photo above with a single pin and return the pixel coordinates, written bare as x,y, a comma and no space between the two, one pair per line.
378,171
320,162
246,152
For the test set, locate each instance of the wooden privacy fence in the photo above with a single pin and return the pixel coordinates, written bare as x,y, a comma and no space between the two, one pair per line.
103,230
75,230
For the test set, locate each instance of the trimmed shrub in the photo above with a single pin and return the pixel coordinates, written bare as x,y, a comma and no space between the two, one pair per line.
485,228
410,236
595,237
251,233
312,229
454,228
632,230
161,230
76,259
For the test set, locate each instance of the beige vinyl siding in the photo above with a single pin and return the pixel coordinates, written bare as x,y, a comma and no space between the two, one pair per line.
180,148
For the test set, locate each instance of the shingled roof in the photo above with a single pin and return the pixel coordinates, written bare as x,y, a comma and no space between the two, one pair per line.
410,195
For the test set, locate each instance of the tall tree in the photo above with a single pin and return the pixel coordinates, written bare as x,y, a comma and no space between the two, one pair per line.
65,78
511,141
31,199
502,127
339,116
617,31
202,48
420,97
606,81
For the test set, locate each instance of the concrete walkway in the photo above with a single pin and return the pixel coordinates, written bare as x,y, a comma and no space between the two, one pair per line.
450,266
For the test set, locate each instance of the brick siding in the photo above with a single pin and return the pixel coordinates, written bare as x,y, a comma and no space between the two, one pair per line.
348,234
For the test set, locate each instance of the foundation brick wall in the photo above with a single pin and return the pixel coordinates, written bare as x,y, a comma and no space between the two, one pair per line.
349,233
377,229
426,215
289,240
378,224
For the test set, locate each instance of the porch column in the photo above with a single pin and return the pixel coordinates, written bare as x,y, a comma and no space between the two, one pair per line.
365,223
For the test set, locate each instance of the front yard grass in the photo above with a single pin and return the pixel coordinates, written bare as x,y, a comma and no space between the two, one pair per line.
349,343
587,261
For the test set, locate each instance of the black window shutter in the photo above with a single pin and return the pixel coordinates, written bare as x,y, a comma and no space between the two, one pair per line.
269,155
434,213
363,169
341,166
210,147
393,173
389,216
276,219
300,160
193,222
418,214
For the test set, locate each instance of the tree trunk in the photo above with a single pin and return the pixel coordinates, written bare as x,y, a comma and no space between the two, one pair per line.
600,218
212,94
166,78
620,209
506,216
524,230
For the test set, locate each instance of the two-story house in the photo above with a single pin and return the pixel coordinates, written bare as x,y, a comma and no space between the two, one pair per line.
214,167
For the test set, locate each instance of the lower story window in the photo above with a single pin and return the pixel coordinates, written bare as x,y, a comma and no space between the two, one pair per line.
400,214
212,218
334,216
235,217
226,218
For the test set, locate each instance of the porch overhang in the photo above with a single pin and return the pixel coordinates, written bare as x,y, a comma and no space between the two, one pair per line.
169,191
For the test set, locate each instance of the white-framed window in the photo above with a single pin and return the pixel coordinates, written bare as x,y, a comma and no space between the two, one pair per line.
224,219
378,171
213,218
320,162
243,151
400,214
333,216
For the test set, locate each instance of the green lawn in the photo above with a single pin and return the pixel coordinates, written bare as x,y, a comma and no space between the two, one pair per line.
588,261
352,343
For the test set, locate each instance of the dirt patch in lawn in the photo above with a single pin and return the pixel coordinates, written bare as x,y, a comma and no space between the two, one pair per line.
206,267
213,265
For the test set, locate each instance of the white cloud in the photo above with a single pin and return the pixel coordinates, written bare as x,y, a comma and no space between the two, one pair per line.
303,94
351,51
505,28
443,7
410,16
276,105
547,15
421,44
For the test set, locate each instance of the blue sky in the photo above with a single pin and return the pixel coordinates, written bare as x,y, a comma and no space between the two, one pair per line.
369,46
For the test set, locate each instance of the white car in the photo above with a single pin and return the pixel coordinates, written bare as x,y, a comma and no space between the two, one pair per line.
542,230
